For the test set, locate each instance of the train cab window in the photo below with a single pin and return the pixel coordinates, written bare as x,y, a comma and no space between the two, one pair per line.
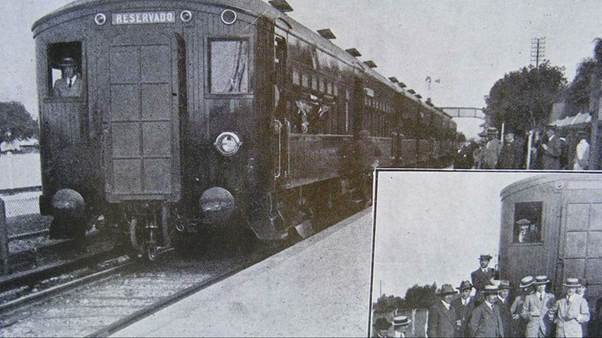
305,80
528,223
65,70
228,66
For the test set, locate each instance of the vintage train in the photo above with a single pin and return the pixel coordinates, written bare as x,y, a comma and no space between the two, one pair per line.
552,225
187,113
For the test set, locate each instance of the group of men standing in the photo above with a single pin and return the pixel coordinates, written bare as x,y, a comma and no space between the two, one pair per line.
547,151
490,313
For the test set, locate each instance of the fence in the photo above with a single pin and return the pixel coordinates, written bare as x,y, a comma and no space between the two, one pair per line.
18,171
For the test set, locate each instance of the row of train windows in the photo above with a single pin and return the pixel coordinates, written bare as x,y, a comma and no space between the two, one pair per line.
378,104
228,68
315,82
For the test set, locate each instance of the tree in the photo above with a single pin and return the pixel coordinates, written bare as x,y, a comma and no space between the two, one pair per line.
523,99
16,122
420,297
579,91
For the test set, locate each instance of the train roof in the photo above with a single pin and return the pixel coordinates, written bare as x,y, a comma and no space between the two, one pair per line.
252,7
562,181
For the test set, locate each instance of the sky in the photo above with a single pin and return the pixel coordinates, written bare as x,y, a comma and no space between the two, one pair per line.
439,240
467,44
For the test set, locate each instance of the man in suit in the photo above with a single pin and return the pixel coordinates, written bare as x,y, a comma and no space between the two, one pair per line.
400,326
486,320
511,156
518,323
482,276
571,311
70,84
441,316
538,310
463,307
551,150
503,305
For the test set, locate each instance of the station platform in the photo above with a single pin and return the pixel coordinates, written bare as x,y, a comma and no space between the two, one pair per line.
317,288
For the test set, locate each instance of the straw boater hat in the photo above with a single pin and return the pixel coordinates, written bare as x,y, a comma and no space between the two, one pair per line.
572,283
490,289
541,280
464,286
523,221
504,284
447,289
485,258
401,321
526,281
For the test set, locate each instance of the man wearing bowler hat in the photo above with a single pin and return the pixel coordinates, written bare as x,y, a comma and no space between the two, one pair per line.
483,275
486,320
538,310
70,84
442,317
571,311
503,305
463,307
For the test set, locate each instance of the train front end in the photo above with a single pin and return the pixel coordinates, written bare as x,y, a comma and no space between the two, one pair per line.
162,136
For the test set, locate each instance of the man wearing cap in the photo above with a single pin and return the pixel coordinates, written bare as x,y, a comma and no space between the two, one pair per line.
538,310
503,306
571,311
551,150
486,320
483,275
491,153
70,83
518,323
442,317
463,307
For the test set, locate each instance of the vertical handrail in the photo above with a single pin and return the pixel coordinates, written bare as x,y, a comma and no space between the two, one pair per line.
3,238
278,132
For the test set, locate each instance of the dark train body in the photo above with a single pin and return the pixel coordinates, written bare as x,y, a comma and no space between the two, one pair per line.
552,225
192,112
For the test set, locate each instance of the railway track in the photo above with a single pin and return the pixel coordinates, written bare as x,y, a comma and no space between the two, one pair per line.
103,303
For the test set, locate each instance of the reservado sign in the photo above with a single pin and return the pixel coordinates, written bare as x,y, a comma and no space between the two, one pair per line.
138,18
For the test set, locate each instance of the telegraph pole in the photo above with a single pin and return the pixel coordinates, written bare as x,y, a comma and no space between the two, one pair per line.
538,49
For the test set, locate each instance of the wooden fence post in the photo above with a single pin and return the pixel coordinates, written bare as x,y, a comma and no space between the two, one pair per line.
3,238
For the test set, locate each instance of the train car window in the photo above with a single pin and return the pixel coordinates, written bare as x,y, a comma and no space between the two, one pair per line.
314,82
335,90
296,77
65,69
228,66
322,85
329,88
305,80
528,222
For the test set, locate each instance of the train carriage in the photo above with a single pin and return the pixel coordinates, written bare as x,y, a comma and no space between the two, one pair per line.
189,113
552,225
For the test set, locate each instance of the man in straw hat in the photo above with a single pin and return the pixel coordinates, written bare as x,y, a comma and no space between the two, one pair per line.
483,275
400,325
441,316
538,310
571,311
551,150
463,307
518,323
486,320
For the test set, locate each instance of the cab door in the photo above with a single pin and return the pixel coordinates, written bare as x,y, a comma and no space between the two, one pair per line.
581,237
141,127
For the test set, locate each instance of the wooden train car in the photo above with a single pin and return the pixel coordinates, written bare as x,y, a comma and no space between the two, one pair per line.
185,114
552,225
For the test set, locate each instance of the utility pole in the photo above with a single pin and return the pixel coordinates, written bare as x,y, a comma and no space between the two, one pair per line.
538,49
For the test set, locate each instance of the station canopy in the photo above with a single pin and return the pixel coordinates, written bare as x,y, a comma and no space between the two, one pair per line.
576,121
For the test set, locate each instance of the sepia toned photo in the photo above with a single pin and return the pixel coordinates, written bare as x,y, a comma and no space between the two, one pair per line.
500,254
210,167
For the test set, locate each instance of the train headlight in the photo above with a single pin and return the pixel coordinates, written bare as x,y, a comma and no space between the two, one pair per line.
228,144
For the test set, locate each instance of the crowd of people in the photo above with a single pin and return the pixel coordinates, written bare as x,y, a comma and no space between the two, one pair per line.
491,311
546,151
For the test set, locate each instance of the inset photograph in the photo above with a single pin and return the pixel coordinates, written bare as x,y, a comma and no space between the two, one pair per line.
496,254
